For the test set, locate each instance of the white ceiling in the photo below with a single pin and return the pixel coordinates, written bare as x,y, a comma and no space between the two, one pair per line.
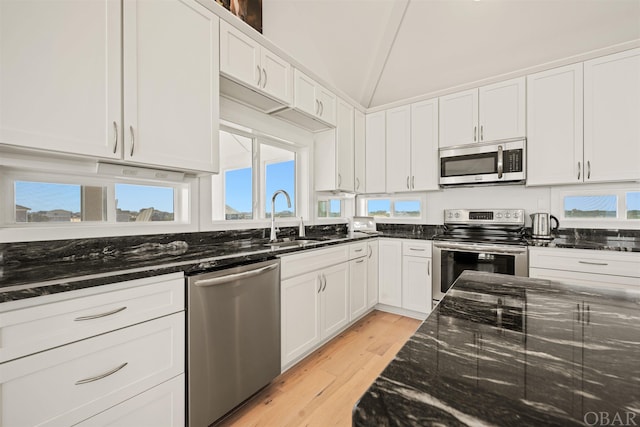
381,51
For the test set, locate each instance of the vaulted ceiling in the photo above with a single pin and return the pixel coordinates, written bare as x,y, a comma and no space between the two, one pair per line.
381,51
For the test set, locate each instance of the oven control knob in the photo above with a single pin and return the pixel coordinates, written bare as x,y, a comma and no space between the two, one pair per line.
516,215
507,215
498,215
450,215
457,214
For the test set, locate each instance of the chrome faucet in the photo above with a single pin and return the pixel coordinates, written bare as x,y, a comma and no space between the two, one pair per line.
273,212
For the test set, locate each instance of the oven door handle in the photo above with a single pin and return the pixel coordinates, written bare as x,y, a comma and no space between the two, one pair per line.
480,248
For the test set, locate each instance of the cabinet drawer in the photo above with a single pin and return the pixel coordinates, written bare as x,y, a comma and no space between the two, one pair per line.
586,261
357,250
587,279
69,384
294,265
163,405
29,330
416,248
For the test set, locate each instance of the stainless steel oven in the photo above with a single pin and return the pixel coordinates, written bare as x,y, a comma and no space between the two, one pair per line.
489,240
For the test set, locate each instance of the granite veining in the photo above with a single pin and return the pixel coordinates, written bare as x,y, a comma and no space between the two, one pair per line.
509,351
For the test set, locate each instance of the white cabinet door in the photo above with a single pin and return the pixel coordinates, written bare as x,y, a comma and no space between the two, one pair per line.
390,272
327,101
239,56
60,85
358,300
344,139
424,145
171,84
459,118
359,151
398,149
554,126
300,305
334,299
304,93
611,117
372,273
163,405
502,110
375,156
416,283
276,76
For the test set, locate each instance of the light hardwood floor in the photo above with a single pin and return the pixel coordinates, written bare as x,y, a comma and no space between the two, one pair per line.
322,389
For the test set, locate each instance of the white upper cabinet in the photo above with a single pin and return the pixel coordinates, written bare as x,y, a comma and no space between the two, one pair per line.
359,146
424,145
265,79
63,96
333,153
554,126
314,107
612,117
399,149
57,94
171,84
490,113
412,147
375,152
459,118
502,110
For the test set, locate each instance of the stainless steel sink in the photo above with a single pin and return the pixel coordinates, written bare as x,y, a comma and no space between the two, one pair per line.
292,243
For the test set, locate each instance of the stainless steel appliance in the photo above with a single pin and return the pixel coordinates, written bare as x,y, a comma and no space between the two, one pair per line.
484,163
233,332
490,240
541,225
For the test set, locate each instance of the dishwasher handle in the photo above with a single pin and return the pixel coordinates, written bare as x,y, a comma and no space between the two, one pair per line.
235,276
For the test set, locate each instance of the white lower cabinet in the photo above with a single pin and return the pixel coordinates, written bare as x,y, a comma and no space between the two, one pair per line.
405,276
372,273
358,289
107,346
583,266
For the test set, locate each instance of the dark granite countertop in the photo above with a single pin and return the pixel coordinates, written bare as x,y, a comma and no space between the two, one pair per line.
78,264
503,350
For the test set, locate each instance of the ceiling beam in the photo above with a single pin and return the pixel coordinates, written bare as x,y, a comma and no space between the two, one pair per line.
384,50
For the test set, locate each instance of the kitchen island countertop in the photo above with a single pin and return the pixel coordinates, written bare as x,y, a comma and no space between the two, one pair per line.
504,350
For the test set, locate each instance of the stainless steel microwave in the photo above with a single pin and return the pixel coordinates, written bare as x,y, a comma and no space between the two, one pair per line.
484,163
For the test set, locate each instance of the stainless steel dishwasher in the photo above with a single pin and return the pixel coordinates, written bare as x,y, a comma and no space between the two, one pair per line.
233,333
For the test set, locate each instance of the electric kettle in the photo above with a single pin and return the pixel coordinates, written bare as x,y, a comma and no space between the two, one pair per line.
540,224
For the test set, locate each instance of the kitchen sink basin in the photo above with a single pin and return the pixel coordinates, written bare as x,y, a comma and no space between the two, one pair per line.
292,243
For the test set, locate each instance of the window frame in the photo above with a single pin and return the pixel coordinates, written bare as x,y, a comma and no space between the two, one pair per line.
422,198
619,190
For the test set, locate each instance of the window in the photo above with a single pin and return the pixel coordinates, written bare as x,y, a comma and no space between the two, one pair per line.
56,200
252,169
600,205
397,208
633,205
330,208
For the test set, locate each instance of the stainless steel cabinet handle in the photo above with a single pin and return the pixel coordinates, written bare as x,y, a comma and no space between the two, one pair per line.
259,75
417,249
429,267
317,107
370,251
588,169
579,170
97,316
500,162
358,250
593,263
115,137
481,132
339,180
357,183
413,182
319,283
475,132
236,276
321,108
360,261
325,282
479,248
101,376
264,83
408,188
133,140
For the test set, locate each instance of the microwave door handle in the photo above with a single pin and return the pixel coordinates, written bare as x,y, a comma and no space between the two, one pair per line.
500,162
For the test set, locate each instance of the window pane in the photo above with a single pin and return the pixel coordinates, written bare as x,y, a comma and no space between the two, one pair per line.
331,208
236,165
633,205
51,202
590,206
238,194
136,203
279,167
407,208
379,208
